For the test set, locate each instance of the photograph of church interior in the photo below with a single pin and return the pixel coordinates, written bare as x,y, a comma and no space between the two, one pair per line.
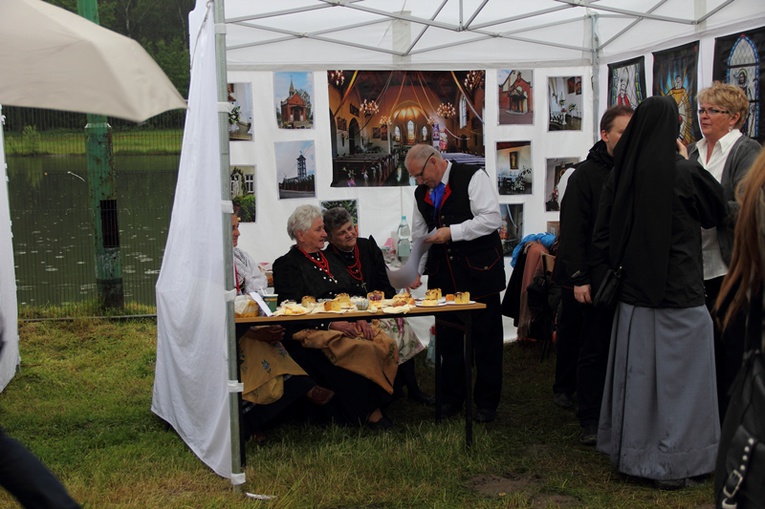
376,116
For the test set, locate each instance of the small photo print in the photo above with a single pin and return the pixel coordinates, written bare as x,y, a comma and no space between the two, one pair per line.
565,100
514,171
556,168
293,96
511,231
295,169
516,97
240,116
243,192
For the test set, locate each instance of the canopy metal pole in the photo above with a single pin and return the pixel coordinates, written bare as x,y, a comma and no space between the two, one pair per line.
237,474
595,56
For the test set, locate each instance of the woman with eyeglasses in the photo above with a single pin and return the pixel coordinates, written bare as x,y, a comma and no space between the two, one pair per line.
727,154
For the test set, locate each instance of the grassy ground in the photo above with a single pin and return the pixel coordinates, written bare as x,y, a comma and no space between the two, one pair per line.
159,141
81,402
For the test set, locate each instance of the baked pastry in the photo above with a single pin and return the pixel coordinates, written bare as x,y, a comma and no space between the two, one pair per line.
402,301
449,297
428,302
343,298
462,298
308,301
244,307
332,305
376,295
433,294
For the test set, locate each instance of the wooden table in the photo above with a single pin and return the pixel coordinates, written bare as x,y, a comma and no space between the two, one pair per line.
462,311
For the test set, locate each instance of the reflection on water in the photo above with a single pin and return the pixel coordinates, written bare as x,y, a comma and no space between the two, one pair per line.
52,232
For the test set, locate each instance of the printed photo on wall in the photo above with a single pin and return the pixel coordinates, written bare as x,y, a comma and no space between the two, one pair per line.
295,169
565,103
626,82
293,96
514,171
376,116
516,97
553,227
740,60
511,231
674,74
556,168
240,116
351,206
243,192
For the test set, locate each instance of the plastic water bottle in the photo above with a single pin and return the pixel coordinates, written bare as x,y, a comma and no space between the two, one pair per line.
404,247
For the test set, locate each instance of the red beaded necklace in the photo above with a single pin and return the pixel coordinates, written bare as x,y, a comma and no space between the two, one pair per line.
355,269
321,263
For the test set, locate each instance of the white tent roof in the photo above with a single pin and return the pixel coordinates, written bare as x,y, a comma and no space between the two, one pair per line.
432,33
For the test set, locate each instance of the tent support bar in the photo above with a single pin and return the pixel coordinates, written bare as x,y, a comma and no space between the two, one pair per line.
237,474
595,55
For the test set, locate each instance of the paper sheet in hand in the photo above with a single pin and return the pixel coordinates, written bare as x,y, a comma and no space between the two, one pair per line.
404,276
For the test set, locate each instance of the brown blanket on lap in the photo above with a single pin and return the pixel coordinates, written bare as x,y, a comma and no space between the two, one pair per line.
375,359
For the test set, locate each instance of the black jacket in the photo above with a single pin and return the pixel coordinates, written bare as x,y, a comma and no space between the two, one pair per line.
577,256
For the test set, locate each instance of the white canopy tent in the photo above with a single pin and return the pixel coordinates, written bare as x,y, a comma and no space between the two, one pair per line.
553,37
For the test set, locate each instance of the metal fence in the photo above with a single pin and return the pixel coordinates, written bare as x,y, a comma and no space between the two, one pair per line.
52,221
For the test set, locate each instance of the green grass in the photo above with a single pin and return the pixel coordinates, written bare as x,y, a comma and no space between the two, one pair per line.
81,402
129,142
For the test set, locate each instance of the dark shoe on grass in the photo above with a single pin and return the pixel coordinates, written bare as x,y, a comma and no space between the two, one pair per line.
485,415
589,435
564,401
450,409
671,484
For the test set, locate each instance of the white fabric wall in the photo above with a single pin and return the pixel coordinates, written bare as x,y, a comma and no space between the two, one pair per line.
9,360
191,375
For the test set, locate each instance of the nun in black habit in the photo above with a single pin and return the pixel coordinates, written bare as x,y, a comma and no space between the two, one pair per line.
659,414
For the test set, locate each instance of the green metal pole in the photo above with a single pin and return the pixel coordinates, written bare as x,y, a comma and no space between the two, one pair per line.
102,185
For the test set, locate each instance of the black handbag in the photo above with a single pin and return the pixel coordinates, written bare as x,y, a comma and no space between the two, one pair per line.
740,468
608,291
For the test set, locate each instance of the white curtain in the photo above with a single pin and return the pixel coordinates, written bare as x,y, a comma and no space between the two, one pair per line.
9,360
190,386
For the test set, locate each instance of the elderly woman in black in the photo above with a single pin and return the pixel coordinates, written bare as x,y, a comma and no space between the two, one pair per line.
306,271
659,415
365,264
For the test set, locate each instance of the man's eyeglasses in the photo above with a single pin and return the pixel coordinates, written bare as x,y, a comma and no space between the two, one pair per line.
423,168
710,111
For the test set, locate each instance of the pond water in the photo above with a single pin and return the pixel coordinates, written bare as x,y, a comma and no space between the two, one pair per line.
53,246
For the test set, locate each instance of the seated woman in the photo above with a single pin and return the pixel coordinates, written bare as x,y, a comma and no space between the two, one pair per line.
360,388
273,381
366,266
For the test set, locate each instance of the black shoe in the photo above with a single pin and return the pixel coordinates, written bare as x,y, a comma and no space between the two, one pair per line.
589,435
565,401
671,484
450,409
485,415
422,398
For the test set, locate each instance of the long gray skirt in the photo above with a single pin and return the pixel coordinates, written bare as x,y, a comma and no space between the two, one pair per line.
659,414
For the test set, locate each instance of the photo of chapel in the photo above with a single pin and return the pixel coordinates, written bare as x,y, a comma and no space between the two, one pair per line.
516,97
293,92
376,116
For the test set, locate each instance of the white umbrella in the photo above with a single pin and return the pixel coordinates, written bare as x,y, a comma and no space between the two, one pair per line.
52,58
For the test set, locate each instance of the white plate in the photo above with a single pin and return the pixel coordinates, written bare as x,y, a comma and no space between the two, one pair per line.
451,303
419,304
442,300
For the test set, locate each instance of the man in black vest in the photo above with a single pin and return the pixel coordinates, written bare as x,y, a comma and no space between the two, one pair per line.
460,203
